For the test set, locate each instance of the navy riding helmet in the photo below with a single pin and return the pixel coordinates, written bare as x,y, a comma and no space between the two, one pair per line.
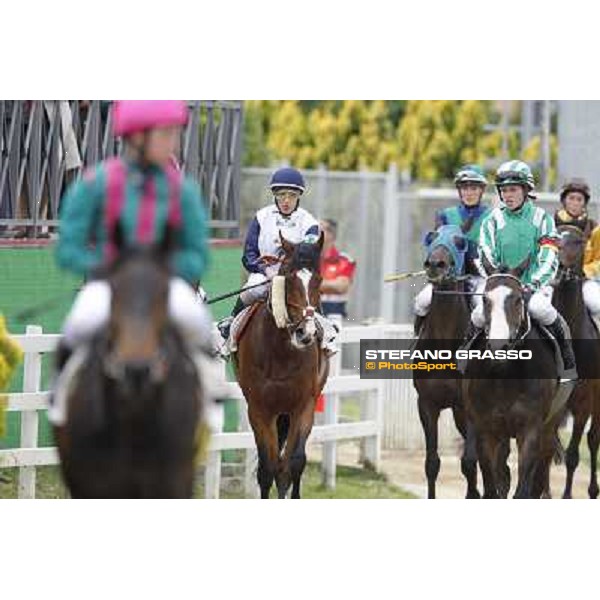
287,177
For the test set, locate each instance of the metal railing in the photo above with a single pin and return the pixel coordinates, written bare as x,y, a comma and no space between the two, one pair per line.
45,144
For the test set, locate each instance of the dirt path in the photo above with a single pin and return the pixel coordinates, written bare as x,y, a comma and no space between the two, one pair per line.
406,470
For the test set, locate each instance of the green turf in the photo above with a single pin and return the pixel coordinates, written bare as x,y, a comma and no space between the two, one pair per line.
351,482
30,277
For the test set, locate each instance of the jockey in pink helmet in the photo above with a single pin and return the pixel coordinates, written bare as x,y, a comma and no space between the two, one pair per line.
144,194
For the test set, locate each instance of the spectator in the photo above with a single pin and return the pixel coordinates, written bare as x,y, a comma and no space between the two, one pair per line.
337,271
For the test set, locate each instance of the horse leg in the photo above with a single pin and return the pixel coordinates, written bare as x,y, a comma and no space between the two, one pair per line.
265,435
468,461
294,457
487,452
572,453
502,469
593,438
429,420
530,460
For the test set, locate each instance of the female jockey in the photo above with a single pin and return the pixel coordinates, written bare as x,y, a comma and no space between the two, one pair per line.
468,214
575,196
262,248
514,231
141,190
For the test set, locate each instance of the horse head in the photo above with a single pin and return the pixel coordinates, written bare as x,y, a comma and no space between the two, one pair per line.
295,290
446,248
571,251
504,305
139,281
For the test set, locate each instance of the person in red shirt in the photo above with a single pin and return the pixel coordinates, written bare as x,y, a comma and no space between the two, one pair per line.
337,271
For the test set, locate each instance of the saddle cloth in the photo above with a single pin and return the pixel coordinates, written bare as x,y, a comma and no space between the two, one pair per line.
239,324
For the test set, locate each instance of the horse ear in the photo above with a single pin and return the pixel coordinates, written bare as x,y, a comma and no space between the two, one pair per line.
520,268
429,237
168,242
460,243
288,247
118,237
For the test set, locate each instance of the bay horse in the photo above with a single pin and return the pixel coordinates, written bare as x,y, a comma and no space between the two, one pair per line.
134,407
282,369
447,320
584,403
508,399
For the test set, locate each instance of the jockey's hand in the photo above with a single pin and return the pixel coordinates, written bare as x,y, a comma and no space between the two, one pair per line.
528,291
268,260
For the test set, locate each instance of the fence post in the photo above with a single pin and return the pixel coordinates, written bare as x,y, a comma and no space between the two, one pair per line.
331,414
373,411
32,371
389,247
212,471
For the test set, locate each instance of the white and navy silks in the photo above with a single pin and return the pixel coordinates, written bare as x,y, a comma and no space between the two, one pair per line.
263,239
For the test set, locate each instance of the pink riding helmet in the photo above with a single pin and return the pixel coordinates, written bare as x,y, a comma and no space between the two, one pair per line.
131,116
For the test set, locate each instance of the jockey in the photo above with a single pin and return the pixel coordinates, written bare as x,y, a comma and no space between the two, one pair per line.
575,196
262,247
470,184
150,186
514,231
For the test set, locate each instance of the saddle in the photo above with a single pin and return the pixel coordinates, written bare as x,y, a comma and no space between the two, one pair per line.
240,324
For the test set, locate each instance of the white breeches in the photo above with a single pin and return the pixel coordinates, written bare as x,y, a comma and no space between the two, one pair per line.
591,295
262,291
91,311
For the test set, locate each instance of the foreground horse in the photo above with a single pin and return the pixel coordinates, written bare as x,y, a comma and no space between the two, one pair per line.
512,398
134,406
447,320
585,400
282,369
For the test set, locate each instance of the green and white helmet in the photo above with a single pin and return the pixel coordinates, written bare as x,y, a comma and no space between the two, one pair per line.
470,174
515,172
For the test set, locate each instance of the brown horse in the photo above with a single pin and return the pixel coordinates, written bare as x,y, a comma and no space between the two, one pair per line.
501,403
134,408
282,369
585,400
447,320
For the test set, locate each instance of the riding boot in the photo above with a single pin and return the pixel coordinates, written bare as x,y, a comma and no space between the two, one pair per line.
419,320
560,330
471,335
224,325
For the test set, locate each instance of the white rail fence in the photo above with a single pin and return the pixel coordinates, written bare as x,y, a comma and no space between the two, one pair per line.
388,416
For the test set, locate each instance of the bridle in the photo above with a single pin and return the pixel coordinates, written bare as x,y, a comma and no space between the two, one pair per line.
525,321
307,312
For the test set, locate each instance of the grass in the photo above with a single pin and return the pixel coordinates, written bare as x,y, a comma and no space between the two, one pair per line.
352,482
